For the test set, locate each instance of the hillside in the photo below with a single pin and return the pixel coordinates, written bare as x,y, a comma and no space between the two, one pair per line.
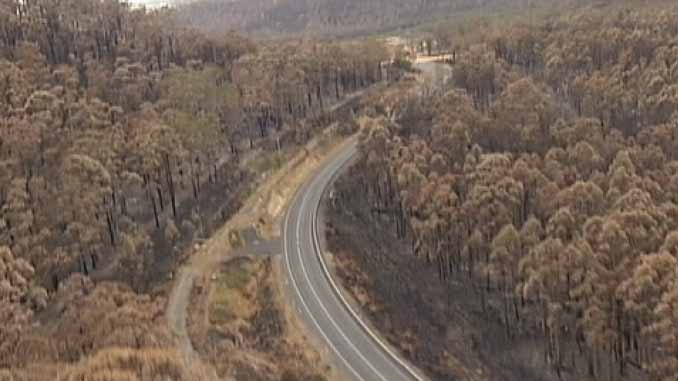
331,17
125,140
523,224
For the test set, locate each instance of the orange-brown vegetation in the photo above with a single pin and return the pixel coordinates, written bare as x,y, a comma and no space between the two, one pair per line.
241,326
122,136
545,181
116,364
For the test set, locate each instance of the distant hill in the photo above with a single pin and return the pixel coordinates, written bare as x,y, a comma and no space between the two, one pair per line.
327,17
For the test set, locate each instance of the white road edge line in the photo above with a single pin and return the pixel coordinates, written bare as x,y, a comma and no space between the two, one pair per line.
343,300
315,293
303,302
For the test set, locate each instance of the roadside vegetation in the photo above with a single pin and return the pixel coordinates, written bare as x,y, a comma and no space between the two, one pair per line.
247,335
540,186
542,183
125,137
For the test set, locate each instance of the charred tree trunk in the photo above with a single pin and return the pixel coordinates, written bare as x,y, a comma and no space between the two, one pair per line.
155,210
170,185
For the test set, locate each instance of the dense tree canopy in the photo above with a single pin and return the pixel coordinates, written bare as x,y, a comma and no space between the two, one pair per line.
122,137
547,176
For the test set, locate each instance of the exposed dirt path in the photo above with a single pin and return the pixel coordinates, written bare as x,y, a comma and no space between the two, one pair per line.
217,247
262,209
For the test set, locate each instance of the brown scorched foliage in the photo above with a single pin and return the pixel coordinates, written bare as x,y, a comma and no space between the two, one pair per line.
122,136
547,180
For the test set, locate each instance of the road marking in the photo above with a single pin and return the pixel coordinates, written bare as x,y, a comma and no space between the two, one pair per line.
320,302
303,302
386,353
355,316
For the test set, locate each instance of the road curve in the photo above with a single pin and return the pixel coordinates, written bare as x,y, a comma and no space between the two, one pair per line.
358,352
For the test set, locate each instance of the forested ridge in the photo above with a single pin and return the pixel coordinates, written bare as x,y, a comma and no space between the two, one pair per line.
334,17
124,136
546,181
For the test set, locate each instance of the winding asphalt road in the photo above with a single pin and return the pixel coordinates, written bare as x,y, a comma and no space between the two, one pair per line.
358,352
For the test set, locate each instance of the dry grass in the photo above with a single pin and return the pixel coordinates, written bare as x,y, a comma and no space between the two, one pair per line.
250,334
231,295
268,162
241,321
120,364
